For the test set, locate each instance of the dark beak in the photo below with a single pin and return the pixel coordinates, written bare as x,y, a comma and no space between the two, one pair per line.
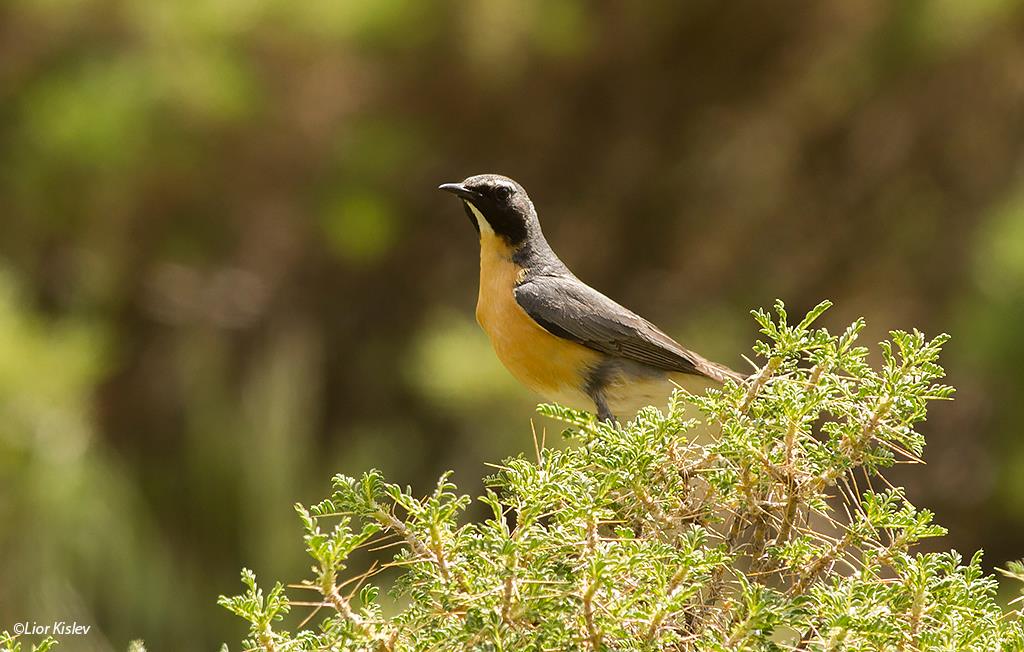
457,189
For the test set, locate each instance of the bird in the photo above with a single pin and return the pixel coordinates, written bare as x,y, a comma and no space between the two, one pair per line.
558,336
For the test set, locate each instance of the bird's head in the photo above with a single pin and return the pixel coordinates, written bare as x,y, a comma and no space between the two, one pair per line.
497,205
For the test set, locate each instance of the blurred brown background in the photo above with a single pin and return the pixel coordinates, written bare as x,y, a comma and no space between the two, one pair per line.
225,272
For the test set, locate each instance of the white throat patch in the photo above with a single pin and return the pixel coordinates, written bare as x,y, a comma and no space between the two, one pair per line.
485,226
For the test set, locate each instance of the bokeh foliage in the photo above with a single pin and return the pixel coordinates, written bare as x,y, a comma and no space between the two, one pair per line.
226,274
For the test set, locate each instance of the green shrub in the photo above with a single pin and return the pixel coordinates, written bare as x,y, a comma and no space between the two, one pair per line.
766,536
10,643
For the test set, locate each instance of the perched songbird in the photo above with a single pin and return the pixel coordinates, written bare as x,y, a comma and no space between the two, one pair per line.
557,335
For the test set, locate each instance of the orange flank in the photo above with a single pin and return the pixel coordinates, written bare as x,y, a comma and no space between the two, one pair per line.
546,364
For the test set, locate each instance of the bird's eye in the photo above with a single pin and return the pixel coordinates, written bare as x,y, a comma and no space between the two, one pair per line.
503,192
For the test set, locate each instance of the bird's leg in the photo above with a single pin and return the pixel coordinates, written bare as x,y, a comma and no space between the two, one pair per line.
597,380
603,411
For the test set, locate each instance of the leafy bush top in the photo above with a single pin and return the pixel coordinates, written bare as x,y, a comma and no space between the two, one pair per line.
773,532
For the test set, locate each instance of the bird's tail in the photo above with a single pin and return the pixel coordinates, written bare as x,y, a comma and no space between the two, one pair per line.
721,373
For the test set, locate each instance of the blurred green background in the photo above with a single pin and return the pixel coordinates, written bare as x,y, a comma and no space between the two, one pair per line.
225,272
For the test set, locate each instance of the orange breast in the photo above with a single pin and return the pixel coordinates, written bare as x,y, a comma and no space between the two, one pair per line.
551,366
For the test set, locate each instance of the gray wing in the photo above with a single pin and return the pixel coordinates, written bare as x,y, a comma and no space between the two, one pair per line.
568,308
